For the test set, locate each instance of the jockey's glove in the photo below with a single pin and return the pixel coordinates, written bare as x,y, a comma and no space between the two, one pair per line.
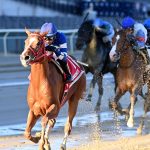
51,48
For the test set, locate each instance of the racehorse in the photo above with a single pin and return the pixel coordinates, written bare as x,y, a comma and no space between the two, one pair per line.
45,91
129,75
96,55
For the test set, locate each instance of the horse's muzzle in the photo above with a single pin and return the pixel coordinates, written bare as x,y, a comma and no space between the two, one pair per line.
115,57
25,60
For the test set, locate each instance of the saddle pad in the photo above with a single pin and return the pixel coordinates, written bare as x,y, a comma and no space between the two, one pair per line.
76,73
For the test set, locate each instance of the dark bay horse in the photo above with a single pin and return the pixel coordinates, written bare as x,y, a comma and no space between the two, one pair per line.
45,91
129,75
96,55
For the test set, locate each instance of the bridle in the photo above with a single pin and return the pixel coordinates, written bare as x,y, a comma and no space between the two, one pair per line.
39,52
124,50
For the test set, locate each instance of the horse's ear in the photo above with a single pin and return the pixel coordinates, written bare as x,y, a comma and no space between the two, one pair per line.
27,31
43,34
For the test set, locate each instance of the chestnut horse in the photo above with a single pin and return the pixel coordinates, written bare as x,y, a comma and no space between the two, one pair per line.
96,55
45,91
130,71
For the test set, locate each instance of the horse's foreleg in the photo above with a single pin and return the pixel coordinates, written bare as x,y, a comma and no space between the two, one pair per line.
31,120
126,110
73,104
50,125
92,85
130,122
42,140
100,91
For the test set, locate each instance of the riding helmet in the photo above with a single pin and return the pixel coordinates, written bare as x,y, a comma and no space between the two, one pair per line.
128,22
98,22
147,24
50,28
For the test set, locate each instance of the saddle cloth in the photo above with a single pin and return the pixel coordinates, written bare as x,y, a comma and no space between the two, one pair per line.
76,73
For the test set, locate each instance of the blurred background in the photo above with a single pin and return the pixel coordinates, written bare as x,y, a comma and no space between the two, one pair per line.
68,15
15,15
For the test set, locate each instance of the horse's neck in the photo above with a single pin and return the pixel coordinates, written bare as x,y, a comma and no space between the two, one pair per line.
92,45
127,58
40,72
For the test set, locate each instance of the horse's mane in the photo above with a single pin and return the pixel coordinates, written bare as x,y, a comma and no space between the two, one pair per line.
88,24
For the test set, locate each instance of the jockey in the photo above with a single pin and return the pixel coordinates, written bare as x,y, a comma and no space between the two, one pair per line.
147,26
138,36
56,42
106,29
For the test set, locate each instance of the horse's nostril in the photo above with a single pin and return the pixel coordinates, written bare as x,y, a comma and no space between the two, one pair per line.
27,57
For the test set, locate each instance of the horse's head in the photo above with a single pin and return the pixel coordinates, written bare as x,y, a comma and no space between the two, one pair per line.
34,49
84,34
120,44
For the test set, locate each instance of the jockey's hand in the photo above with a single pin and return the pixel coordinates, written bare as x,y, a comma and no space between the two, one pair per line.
51,48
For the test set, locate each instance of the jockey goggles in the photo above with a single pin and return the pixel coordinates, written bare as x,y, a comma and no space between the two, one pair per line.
48,38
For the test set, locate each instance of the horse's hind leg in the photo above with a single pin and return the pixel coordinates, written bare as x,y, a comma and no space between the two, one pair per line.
92,85
146,109
73,104
100,91
130,122
140,128
31,120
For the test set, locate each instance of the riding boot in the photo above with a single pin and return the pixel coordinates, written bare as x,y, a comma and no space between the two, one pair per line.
67,72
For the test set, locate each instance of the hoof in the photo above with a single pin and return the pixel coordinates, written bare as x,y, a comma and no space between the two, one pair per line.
130,124
97,108
38,134
47,147
41,146
89,98
36,139
63,147
139,131
113,105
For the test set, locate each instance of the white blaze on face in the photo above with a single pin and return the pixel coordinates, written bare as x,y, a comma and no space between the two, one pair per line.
27,47
113,50
22,56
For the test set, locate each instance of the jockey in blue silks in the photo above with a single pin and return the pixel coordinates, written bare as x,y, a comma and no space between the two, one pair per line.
56,42
106,29
138,37
147,26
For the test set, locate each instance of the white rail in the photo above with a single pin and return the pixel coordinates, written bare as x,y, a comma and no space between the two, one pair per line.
70,32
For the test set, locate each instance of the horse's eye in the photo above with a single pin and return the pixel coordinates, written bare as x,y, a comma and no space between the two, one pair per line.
38,43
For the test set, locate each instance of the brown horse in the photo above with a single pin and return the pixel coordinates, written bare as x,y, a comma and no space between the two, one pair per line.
45,91
129,73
